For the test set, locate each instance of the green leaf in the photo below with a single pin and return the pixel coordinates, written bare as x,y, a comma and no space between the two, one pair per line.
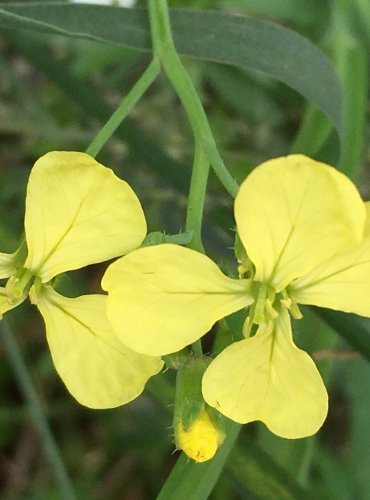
362,18
314,131
333,478
302,12
213,36
355,329
358,386
247,97
259,474
351,61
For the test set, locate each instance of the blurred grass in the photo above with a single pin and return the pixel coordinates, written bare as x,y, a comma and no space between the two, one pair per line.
55,93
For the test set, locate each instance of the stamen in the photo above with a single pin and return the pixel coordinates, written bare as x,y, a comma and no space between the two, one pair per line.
295,311
247,327
259,315
286,303
292,306
270,311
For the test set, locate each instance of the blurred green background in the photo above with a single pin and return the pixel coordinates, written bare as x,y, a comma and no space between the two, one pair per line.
54,94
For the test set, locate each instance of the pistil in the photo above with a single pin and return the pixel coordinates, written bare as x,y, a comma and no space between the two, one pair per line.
18,286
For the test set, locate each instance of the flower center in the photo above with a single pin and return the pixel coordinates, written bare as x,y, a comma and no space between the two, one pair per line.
18,286
266,306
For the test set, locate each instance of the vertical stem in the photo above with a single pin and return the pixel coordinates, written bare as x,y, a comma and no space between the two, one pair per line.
205,148
128,102
197,192
163,47
37,414
197,347
194,213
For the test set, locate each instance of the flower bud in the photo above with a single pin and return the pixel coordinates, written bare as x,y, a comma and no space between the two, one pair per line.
201,440
197,429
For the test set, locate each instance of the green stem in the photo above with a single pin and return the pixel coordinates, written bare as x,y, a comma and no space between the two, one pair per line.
128,102
197,347
206,151
164,48
37,414
197,192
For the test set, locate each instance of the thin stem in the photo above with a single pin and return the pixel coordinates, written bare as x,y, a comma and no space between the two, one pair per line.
37,414
197,192
164,48
197,347
206,151
128,102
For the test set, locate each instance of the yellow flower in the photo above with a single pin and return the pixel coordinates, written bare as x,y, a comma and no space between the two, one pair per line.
78,213
303,226
306,236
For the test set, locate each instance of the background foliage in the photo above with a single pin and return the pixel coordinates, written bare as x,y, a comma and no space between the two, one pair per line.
55,93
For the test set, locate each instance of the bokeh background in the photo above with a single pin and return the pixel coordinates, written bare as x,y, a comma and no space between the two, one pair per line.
54,94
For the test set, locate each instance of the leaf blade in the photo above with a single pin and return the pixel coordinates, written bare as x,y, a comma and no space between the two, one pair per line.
213,36
355,329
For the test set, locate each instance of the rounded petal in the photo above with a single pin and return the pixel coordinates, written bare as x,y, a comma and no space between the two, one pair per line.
292,213
341,283
78,213
164,297
97,369
268,378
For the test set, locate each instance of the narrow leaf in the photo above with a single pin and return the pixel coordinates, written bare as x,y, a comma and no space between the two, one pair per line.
355,329
259,474
214,36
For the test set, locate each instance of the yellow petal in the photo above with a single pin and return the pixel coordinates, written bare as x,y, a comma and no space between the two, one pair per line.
98,370
7,264
341,283
78,213
293,213
268,378
164,297
10,262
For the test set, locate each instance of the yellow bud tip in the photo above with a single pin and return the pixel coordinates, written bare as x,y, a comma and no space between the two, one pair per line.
201,440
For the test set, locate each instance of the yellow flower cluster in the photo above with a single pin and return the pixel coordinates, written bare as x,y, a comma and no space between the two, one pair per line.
305,233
